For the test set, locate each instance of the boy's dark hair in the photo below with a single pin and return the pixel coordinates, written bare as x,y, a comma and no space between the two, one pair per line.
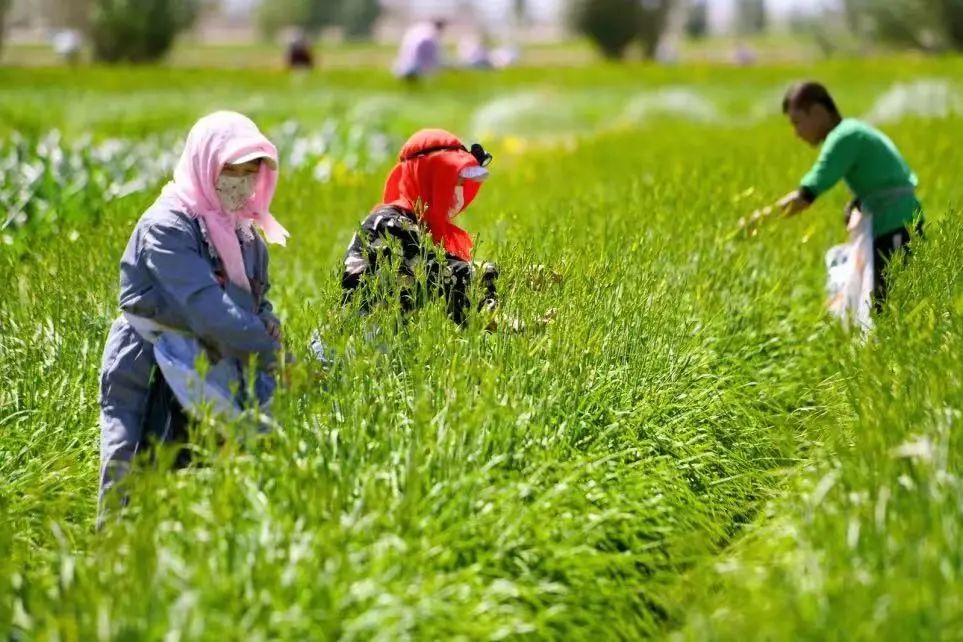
804,95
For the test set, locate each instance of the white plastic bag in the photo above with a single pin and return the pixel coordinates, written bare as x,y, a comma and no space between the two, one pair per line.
849,267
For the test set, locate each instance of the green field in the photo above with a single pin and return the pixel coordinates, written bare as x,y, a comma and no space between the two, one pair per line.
692,450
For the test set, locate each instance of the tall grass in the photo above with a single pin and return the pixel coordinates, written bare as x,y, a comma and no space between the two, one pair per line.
692,448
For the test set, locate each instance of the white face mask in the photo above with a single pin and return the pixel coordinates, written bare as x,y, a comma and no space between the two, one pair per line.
459,203
234,192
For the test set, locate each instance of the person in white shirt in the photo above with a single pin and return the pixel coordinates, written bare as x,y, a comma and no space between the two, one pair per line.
420,51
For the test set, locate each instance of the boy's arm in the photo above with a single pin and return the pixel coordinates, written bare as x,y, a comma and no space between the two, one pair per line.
835,160
837,157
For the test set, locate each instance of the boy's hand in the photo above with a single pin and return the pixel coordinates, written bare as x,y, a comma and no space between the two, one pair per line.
751,224
793,203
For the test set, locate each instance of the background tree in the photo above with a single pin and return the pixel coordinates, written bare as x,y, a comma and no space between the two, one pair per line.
697,19
74,14
950,15
357,18
613,25
4,8
520,11
138,31
652,22
275,15
920,24
751,16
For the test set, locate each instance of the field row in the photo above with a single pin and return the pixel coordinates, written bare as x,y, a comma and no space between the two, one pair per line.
691,450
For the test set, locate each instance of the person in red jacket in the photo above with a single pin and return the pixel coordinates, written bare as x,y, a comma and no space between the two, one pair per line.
436,179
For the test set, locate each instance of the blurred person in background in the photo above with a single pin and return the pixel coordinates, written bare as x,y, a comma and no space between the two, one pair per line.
505,56
744,55
195,267
299,55
474,52
68,45
420,52
882,184
435,180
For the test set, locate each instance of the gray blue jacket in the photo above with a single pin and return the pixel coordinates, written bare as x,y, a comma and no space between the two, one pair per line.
171,275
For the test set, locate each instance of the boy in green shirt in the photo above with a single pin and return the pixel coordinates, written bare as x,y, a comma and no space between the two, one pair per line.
881,182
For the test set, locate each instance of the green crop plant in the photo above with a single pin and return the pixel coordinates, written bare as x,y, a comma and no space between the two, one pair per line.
691,450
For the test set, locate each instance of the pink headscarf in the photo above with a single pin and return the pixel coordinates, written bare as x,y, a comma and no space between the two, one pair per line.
215,141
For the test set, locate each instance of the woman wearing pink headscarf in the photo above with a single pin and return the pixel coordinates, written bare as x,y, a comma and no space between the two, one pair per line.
196,266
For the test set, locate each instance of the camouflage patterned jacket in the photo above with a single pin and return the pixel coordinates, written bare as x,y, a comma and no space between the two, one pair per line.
391,235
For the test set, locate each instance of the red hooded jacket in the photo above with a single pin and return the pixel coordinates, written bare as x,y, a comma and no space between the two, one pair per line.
424,182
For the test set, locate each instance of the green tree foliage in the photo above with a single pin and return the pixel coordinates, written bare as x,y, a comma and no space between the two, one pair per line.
920,24
4,8
901,22
613,25
138,31
356,17
520,11
609,24
652,22
697,19
276,15
73,14
951,14
751,16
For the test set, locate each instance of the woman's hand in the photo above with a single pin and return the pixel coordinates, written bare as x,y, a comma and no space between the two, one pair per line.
273,327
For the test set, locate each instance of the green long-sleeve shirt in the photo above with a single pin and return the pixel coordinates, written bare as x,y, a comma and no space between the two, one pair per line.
873,169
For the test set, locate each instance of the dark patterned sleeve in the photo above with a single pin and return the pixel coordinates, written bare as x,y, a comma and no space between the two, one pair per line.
456,284
261,285
371,247
389,229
